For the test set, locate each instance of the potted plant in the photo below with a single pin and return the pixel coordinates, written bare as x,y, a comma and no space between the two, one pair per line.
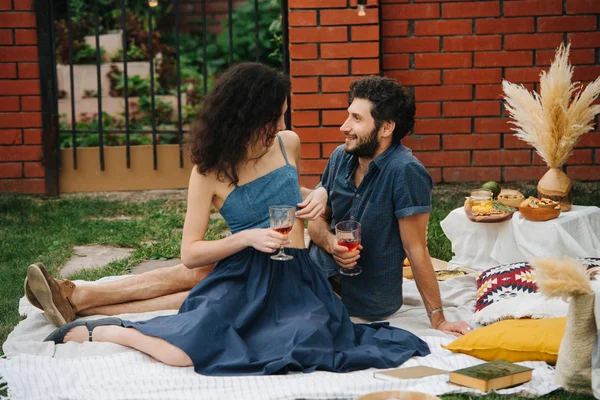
553,121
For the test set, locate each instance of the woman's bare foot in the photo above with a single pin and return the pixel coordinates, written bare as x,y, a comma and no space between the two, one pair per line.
78,334
81,334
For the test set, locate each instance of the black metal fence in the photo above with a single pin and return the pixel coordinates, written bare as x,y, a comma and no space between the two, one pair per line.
64,36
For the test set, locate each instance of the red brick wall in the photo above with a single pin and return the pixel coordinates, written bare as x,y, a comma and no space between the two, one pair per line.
329,47
455,55
21,169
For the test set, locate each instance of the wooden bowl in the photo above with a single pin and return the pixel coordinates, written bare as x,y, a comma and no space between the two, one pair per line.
516,202
539,214
398,395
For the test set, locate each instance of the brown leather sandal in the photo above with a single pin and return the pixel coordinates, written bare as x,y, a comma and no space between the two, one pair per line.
54,296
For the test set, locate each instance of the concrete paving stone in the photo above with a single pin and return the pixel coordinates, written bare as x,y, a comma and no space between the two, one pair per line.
91,257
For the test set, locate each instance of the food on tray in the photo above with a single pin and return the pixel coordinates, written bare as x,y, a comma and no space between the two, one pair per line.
547,203
502,207
406,262
495,208
441,275
483,209
510,197
449,273
543,209
493,187
534,202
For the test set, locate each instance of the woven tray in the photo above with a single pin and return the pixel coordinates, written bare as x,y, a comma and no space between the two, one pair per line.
486,218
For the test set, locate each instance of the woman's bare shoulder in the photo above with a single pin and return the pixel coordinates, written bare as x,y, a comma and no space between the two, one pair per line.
289,136
291,140
203,180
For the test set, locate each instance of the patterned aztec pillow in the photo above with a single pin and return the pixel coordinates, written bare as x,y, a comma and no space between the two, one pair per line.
509,291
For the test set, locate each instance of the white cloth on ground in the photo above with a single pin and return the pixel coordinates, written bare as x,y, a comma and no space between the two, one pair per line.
38,370
480,246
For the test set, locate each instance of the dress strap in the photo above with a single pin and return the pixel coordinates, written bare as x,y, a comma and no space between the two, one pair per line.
283,149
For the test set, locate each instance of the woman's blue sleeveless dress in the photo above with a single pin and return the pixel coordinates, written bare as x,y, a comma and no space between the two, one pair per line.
256,316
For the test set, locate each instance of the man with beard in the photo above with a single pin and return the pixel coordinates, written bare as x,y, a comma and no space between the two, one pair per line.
375,180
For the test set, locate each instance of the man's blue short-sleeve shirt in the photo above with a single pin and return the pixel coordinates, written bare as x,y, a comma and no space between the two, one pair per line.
396,185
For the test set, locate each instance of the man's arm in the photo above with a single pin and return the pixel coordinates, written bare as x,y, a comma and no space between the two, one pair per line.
413,232
318,230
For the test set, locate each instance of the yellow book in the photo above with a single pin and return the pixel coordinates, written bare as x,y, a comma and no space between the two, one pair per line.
491,375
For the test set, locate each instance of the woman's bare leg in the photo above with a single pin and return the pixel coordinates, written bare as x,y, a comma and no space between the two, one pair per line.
155,347
166,302
148,285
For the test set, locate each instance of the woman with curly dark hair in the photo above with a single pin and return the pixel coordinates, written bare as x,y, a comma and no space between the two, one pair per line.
252,315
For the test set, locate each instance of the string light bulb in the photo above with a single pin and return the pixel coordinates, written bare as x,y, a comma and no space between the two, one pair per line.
362,8
152,3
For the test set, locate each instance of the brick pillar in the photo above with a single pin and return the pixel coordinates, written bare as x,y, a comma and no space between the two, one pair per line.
21,168
330,46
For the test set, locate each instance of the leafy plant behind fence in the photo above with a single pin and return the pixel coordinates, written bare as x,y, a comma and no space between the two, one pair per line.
192,60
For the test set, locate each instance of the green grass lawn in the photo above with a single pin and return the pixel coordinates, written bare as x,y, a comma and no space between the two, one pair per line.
33,230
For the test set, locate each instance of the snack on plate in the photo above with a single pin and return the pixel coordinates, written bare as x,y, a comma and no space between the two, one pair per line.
547,203
483,209
510,197
543,209
496,208
449,273
534,202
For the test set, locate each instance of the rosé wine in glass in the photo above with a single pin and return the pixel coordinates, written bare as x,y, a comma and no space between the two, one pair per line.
281,219
348,235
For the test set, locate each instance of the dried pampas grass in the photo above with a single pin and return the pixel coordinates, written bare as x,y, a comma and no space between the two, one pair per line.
553,120
561,277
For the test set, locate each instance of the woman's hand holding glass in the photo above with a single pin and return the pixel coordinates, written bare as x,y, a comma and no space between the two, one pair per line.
267,240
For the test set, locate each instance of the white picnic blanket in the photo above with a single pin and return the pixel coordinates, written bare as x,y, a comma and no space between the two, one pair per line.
37,370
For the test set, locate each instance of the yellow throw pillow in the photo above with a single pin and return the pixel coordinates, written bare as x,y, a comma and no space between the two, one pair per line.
514,340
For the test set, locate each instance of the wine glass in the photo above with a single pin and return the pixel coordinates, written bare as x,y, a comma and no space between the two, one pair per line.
348,235
282,221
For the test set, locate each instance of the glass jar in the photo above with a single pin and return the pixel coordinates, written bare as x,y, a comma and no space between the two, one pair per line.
481,199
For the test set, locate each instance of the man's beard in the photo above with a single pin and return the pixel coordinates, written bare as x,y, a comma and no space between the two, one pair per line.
368,148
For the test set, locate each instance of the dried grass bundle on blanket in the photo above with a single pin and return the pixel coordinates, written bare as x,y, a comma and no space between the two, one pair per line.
567,278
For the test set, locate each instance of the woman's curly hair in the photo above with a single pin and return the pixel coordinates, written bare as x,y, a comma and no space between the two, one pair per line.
241,110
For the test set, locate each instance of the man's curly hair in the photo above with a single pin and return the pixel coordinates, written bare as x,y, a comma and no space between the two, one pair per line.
391,102
241,110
